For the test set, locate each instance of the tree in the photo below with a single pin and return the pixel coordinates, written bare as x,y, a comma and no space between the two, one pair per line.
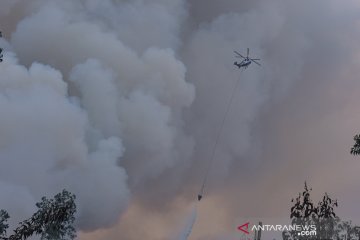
53,220
326,218
328,225
355,150
4,216
304,213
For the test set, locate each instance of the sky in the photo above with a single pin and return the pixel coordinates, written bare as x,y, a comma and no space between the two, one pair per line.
120,102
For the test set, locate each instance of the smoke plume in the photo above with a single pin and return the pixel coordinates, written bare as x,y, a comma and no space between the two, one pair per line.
120,101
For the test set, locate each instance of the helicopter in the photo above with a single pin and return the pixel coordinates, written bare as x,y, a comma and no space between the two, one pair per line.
247,60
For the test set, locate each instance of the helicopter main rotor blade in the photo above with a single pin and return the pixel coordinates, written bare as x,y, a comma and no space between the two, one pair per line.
255,62
255,59
247,55
239,55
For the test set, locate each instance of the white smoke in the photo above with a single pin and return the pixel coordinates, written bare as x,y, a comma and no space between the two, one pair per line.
107,114
189,224
43,142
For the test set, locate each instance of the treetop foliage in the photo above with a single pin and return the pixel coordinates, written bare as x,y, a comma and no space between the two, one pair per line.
53,220
355,150
305,212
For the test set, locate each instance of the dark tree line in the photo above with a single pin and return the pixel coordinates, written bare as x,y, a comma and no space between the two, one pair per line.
305,212
328,225
53,220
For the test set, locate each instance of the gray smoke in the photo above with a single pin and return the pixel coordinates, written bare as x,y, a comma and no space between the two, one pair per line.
120,102
70,124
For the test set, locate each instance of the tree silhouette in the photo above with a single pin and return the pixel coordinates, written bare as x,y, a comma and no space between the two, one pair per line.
355,150
303,207
4,216
53,220
304,213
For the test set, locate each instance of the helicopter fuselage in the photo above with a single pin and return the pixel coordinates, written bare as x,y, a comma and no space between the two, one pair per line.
246,60
245,63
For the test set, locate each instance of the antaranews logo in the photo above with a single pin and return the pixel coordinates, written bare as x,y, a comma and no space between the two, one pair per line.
244,228
302,230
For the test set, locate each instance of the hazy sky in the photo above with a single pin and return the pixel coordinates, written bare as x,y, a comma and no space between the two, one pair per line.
120,101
